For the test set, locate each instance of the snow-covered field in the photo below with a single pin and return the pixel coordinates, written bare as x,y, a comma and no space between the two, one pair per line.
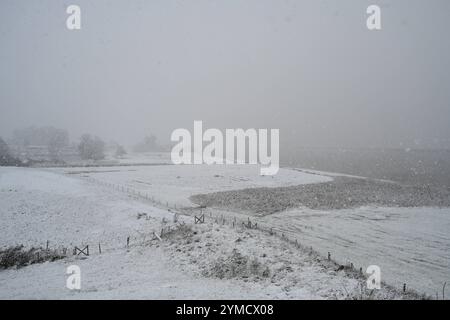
175,184
411,245
91,205
210,261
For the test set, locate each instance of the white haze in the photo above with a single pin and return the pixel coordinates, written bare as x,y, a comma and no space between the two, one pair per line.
310,68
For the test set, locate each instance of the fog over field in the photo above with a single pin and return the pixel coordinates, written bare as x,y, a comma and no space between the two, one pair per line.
310,68
92,94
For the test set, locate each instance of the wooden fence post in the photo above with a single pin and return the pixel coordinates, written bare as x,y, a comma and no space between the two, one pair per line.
443,290
200,219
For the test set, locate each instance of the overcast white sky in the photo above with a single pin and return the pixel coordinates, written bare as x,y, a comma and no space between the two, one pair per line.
310,68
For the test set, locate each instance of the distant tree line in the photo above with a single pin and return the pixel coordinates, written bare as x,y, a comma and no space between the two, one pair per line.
148,144
54,139
56,142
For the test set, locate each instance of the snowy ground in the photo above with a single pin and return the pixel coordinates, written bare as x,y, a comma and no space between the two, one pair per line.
210,261
175,184
411,245
79,206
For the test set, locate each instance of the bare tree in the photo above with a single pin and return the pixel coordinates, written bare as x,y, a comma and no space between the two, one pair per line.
57,140
6,159
91,147
148,144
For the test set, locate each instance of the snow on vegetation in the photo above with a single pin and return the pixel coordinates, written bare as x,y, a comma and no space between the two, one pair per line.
341,193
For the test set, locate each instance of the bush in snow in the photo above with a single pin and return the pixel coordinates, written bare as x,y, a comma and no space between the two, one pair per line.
237,265
19,257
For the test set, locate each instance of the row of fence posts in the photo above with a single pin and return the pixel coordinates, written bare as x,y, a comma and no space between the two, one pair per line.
249,225
85,249
132,191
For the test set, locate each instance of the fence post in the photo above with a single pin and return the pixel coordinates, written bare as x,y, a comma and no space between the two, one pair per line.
99,248
443,290
329,256
128,241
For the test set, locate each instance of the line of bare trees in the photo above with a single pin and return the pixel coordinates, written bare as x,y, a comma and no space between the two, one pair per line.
48,143
54,141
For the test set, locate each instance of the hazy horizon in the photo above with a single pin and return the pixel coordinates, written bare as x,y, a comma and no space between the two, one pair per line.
311,69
